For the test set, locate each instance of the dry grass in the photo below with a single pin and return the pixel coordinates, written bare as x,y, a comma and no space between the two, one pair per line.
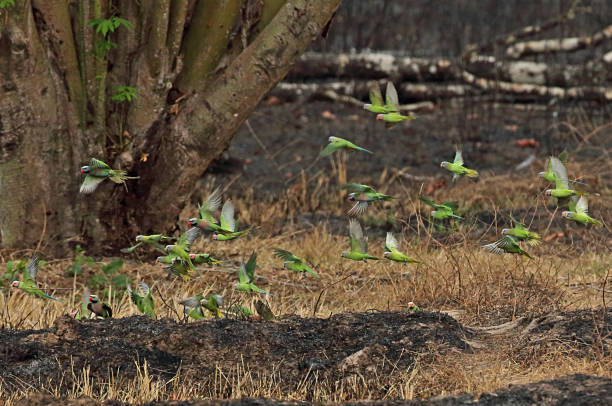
455,275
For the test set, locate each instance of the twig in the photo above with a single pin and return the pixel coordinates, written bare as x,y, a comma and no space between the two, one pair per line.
316,306
178,317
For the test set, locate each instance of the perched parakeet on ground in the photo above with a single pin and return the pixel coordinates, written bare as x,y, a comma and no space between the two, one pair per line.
144,302
562,190
228,223
413,307
506,244
238,312
98,308
179,251
264,311
97,171
443,210
392,253
578,212
28,284
154,240
293,263
206,220
521,233
192,307
212,303
199,259
457,168
363,195
246,276
376,100
359,243
336,143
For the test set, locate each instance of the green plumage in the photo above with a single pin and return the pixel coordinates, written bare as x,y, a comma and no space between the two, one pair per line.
293,263
246,276
153,240
29,285
376,101
443,211
392,252
457,168
579,209
359,243
507,245
363,196
97,171
144,302
336,143
521,233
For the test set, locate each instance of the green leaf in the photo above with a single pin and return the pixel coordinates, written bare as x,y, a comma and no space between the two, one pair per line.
120,281
97,280
112,267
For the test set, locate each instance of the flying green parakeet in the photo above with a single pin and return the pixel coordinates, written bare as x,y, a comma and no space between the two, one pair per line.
28,284
376,100
562,190
178,252
97,171
293,263
363,195
206,220
392,252
199,259
359,243
154,240
336,143
521,233
549,174
228,223
457,168
143,302
212,303
192,307
578,212
389,113
246,276
443,211
100,309
508,245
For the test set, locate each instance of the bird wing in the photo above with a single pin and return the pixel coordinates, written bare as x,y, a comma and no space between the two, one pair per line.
32,269
188,237
286,255
356,187
517,224
358,240
450,205
500,246
330,149
458,158
391,243
131,249
358,209
242,273
560,173
210,206
227,216
571,204
144,288
375,95
190,302
90,183
429,202
97,164
391,98
582,206
250,267
563,156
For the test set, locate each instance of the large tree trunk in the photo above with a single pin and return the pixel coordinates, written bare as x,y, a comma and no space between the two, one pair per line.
195,87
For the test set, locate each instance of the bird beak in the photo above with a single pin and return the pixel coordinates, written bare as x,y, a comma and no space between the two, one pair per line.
189,224
379,116
82,171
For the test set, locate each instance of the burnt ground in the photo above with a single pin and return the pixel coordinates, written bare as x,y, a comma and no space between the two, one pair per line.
298,351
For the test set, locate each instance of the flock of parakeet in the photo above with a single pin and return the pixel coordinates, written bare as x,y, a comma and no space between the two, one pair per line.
179,260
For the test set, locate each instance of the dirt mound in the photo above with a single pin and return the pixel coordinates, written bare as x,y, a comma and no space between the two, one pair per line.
291,349
573,390
580,330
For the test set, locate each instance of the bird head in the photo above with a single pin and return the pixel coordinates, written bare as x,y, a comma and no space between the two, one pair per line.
85,169
215,236
379,116
366,106
203,302
387,253
192,222
159,259
15,284
169,247
139,237
73,314
548,192
331,139
351,197
443,164
344,254
542,174
93,298
411,305
192,256
566,214
505,231
285,264
433,212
